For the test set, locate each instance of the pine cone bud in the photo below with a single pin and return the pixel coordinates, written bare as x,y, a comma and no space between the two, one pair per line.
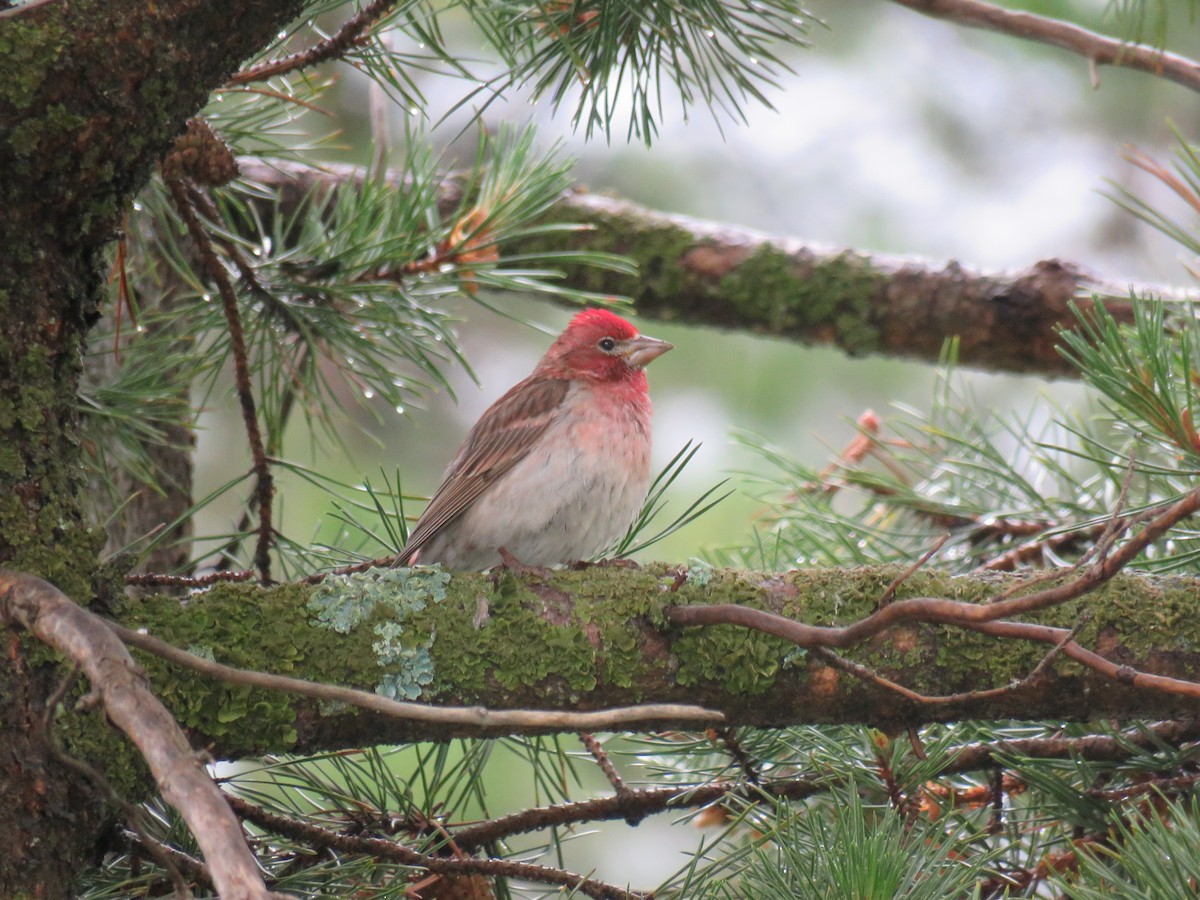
200,154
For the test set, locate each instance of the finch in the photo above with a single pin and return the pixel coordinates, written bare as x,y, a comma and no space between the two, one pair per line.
556,469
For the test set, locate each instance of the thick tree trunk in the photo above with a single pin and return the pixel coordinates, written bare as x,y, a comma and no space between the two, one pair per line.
93,94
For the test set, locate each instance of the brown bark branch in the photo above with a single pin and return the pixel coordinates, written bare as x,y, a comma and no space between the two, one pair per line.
638,803
615,651
1097,49
53,618
707,273
444,865
264,489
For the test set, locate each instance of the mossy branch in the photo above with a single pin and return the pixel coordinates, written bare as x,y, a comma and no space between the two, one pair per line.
478,640
707,273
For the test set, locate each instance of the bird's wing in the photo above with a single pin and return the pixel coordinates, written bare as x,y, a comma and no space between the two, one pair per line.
500,439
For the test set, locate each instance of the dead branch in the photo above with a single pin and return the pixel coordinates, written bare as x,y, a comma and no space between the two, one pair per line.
447,865
353,33
264,490
638,803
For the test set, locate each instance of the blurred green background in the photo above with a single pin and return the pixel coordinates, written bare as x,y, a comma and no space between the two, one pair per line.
897,134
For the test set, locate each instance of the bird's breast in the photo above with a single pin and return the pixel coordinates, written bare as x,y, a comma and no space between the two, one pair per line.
577,489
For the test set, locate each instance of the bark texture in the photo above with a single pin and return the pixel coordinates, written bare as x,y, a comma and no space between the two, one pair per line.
92,95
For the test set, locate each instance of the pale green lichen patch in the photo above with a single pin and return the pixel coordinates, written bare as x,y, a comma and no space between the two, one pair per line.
699,573
414,663
384,600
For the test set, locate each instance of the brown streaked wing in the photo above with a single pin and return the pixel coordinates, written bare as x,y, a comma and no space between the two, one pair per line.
500,439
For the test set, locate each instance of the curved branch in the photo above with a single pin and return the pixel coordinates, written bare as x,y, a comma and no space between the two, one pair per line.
975,616
708,273
116,679
1097,49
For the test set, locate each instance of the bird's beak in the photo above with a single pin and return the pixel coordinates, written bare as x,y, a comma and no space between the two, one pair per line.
642,350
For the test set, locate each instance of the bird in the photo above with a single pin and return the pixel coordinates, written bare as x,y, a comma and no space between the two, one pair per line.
557,469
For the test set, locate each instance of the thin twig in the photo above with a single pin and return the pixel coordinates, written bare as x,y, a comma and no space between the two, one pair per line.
642,802
264,480
729,738
470,716
595,748
188,865
1178,785
1097,49
158,579
1035,551
1047,634
976,616
383,562
996,785
351,34
870,675
890,592
445,865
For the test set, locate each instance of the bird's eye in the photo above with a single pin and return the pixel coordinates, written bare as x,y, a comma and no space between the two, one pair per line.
607,344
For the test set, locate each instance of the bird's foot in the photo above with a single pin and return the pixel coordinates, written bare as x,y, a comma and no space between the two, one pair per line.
509,563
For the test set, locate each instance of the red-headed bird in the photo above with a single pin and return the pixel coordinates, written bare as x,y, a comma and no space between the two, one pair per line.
556,469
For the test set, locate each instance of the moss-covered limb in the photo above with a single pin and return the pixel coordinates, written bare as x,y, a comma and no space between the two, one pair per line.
596,638
709,274
705,273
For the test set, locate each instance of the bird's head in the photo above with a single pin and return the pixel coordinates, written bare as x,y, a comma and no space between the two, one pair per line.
600,344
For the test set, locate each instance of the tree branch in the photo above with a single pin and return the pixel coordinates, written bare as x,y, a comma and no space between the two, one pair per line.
118,682
445,865
353,32
618,649
636,804
707,273
264,488
1097,49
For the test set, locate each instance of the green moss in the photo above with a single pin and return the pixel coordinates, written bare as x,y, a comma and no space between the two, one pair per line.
568,634
656,250
736,659
30,52
471,638
89,736
241,626
836,294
